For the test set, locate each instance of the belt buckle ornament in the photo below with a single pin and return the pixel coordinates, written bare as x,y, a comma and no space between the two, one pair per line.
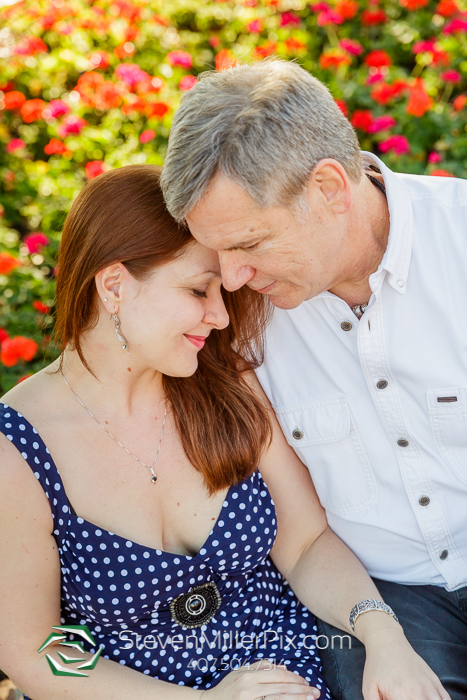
197,607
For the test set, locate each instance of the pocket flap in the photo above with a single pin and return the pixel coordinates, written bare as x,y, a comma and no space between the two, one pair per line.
315,422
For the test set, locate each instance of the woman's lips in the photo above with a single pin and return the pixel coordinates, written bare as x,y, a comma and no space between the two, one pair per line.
197,340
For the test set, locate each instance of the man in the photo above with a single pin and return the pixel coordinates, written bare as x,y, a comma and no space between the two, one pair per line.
366,356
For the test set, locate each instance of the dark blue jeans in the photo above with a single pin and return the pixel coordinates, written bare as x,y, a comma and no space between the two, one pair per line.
434,622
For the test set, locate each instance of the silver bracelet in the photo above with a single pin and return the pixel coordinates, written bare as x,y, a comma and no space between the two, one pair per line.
367,605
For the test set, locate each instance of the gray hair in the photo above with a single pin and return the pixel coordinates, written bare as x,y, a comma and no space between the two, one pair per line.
265,126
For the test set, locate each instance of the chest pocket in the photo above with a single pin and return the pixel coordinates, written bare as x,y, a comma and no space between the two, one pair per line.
323,435
448,419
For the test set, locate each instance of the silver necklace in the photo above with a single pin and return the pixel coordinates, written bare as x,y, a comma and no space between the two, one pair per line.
150,467
359,309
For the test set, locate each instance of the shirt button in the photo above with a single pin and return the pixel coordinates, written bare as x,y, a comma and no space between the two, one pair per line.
400,283
403,443
424,500
297,434
444,554
346,326
382,384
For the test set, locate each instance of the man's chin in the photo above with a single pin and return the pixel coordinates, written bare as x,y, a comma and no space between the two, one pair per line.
285,302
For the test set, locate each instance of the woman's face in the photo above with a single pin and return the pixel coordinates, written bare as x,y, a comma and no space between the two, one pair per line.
167,318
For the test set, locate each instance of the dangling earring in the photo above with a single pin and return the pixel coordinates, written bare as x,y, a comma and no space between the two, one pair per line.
119,334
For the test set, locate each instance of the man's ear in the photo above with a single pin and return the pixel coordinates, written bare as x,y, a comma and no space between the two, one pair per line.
109,285
330,181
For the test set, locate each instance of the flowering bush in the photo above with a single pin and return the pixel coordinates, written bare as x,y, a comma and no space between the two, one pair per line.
88,85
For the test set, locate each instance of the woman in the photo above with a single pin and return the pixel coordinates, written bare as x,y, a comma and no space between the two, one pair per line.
151,525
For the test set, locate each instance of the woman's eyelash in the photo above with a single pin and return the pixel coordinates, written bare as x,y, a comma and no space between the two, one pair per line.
199,293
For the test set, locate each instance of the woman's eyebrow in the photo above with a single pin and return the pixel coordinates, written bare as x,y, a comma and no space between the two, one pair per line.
214,273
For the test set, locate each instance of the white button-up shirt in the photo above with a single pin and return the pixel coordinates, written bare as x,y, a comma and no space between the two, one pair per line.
378,413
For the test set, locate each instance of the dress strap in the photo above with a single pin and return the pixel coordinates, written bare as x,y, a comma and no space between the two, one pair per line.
35,452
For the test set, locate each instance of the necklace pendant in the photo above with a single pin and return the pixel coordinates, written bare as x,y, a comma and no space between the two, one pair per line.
154,479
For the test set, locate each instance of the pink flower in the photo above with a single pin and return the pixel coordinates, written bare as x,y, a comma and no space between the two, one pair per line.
131,74
56,109
255,27
15,145
95,168
457,25
451,76
147,135
424,46
288,18
434,157
71,125
374,78
187,82
351,46
329,17
397,144
36,241
319,7
381,123
180,58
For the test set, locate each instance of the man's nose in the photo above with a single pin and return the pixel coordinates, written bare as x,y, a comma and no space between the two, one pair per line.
234,273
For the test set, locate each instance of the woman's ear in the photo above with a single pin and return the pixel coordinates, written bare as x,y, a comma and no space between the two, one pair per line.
109,286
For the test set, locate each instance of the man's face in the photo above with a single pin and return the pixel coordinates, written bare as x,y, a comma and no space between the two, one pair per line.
270,249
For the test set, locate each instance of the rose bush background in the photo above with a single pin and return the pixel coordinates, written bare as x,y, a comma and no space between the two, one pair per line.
86,86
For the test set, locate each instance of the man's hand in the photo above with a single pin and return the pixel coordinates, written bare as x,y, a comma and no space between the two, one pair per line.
394,671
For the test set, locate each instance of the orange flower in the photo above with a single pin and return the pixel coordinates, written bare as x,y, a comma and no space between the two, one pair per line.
13,99
18,348
441,173
31,110
8,263
225,59
333,58
294,44
156,109
447,8
413,4
460,102
419,101
265,50
347,8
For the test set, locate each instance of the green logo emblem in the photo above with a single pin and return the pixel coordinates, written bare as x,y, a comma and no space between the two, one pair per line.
58,669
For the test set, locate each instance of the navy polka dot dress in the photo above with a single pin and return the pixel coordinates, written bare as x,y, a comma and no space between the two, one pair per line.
122,590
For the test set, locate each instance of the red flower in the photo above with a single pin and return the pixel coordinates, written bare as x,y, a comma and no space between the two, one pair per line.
95,168
3,335
441,173
381,123
39,306
214,41
147,135
413,4
451,76
342,106
14,99
156,109
187,82
333,58
124,50
447,8
225,59
419,101
15,145
32,110
8,263
460,102
55,147
36,241
373,17
362,119
265,50
385,92
397,144
30,46
71,125
378,59
18,348
347,8
294,45
351,46
180,58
